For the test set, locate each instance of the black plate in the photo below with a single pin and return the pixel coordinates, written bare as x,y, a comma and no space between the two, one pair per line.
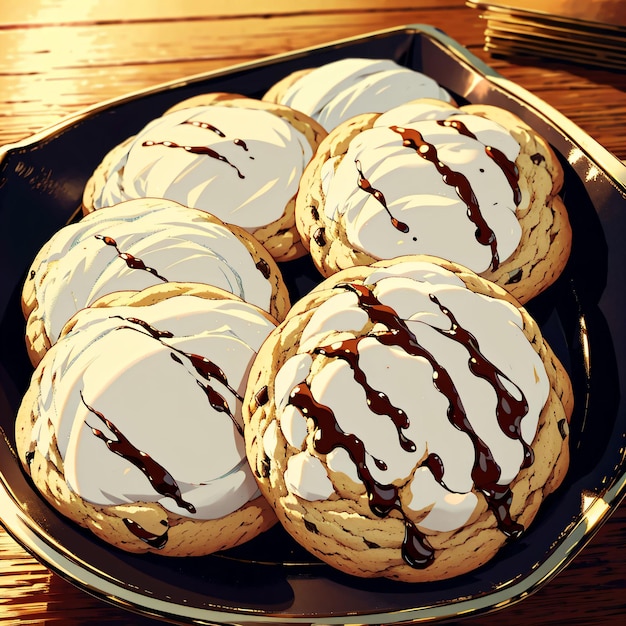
270,580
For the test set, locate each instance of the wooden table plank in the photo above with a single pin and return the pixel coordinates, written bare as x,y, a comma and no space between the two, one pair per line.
84,65
88,63
72,12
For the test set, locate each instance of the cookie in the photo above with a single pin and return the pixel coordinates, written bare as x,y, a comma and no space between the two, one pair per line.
474,185
131,425
235,157
136,244
407,419
334,92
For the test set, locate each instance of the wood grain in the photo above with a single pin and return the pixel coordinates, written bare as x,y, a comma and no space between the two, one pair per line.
57,57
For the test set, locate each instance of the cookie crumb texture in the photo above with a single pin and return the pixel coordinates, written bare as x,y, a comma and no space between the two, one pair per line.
406,420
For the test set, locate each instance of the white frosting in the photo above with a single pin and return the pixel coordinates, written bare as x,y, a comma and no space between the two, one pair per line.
306,477
174,240
415,191
337,91
156,402
407,381
250,188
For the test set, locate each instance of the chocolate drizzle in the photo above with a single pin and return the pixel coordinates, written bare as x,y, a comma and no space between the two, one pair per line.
205,150
508,167
383,499
242,144
131,261
204,367
206,126
486,471
365,185
461,128
155,333
154,541
509,410
238,142
377,401
413,139
162,481
485,474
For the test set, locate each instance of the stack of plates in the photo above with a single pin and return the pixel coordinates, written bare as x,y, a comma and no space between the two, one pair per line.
589,33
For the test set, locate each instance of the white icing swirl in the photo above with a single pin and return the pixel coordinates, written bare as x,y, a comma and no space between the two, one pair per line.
151,393
407,380
337,91
256,164
177,242
416,193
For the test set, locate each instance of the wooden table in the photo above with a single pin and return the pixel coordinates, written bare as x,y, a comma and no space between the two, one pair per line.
56,57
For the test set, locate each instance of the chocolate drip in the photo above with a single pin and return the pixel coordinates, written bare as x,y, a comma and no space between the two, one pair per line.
537,158
206,126
207,370
485,472
154,541
131,261
242,144
195,150
458,126
377,401
434,463
238,142
509,169
162,481
31,275
263,267
365,185
204,367
151,330
509,410
319,237
383,499
412,138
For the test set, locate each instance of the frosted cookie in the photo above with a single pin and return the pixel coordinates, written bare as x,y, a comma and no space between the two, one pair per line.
137,244
132,427
337,91
235,157
407,419
474,185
